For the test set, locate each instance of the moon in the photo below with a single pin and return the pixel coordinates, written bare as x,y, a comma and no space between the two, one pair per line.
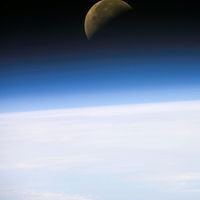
103,12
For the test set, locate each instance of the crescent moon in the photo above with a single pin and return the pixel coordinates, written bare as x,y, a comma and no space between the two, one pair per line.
103,12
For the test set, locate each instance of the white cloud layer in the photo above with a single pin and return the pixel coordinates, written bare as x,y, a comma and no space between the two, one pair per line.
150,142
31,195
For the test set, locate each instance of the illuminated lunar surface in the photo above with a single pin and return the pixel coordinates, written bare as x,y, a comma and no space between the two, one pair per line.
103,12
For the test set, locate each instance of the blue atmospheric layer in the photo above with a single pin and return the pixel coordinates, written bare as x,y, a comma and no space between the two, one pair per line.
32,84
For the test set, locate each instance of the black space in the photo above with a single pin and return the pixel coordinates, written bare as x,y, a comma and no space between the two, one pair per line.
36,27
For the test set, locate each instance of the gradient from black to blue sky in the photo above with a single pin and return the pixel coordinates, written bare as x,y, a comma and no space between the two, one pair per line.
148,55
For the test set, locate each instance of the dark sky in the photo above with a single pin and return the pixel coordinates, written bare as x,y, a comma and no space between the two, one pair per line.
37,27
